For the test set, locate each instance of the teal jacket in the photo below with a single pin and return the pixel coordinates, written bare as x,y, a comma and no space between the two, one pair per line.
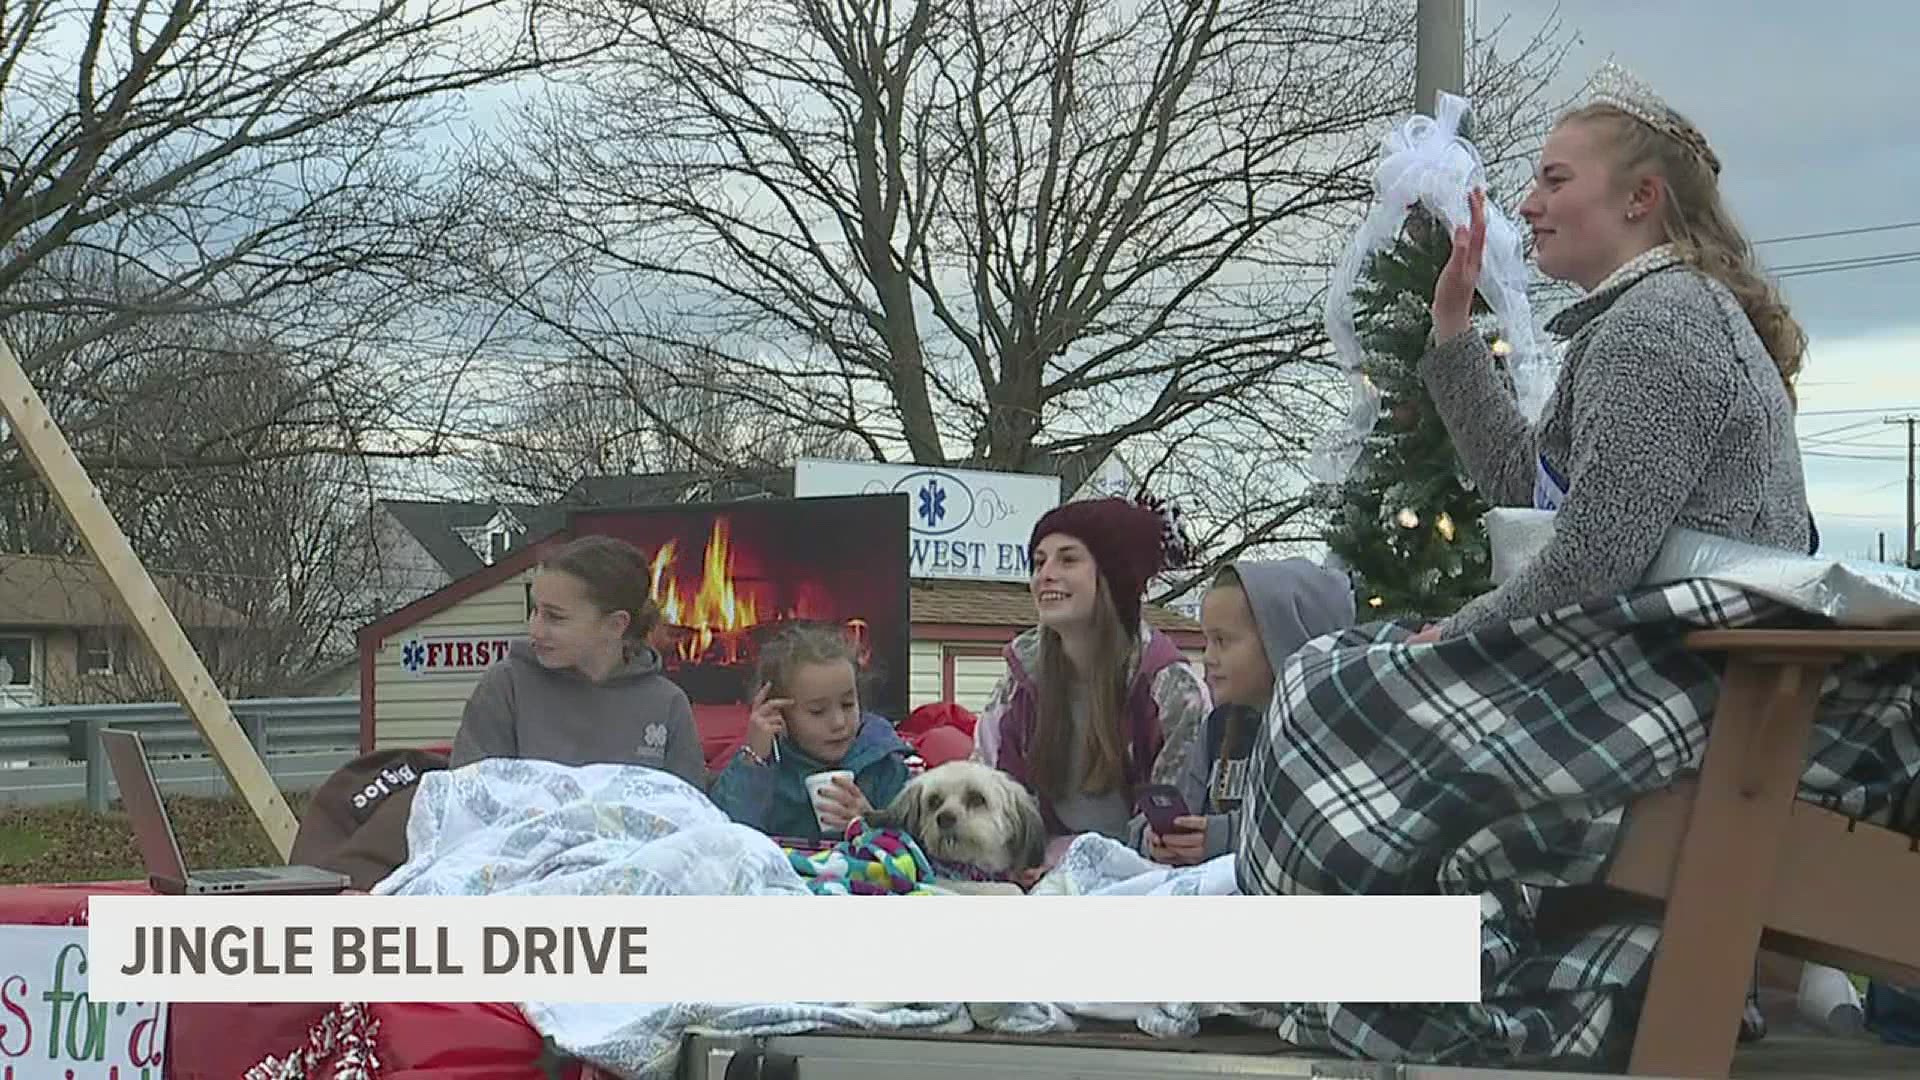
773,797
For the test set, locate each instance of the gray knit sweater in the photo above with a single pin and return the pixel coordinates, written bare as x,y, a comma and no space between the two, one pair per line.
1668,411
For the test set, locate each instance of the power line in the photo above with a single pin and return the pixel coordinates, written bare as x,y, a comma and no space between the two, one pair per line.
1881,411
1838,456
1833,266
1863,230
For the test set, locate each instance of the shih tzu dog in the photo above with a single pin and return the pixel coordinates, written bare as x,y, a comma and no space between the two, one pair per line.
967,814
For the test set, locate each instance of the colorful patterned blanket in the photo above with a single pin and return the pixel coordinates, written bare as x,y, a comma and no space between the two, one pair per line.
869,862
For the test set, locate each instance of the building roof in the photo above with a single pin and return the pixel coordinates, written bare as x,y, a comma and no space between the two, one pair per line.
437,525
1005,603
657,489
58,591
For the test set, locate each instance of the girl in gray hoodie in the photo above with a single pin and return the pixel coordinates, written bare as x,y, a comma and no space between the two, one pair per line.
1255,615
586,688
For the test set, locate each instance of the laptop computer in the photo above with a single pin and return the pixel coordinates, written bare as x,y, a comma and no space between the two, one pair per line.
153,832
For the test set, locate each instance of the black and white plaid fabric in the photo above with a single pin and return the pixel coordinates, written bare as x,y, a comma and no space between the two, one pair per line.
1499,764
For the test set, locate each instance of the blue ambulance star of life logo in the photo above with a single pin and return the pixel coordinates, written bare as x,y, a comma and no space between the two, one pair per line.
414,656
933,502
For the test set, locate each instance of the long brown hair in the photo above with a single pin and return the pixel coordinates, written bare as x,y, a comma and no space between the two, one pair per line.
1701,227
616,577
1103,689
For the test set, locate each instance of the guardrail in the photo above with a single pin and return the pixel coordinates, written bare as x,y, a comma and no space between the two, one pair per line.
51,754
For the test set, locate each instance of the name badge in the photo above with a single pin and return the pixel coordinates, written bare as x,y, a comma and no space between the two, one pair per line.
1228,783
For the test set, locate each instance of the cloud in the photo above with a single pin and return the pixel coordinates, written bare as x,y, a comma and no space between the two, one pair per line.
1855,461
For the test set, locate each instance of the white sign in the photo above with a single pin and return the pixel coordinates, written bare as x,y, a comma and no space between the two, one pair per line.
965,524
51,1026
664,949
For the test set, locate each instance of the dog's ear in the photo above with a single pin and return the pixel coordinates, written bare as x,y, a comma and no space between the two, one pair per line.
1028,832
903,813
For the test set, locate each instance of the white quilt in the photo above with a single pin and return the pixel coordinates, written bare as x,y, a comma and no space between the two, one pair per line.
508,827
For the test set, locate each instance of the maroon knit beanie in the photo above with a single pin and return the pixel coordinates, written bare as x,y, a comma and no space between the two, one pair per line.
1130,541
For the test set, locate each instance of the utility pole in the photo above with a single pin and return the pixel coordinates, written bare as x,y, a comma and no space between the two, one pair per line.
1908,420
1883,547
1439,52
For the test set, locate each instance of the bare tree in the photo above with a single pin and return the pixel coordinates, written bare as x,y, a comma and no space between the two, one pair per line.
278,539
998,233
261,166
591,416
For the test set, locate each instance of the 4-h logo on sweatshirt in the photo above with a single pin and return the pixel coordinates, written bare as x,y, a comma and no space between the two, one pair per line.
653,742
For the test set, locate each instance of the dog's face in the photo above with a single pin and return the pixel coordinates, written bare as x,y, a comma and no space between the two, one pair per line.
973,814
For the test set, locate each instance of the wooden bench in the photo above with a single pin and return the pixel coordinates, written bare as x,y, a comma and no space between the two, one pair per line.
1736,863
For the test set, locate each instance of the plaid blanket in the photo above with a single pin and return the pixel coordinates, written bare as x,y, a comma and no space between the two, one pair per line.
1499,764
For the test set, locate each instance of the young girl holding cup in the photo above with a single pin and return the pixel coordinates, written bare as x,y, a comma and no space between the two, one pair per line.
812,761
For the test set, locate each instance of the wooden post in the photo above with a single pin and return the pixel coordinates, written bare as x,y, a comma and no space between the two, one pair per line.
47,447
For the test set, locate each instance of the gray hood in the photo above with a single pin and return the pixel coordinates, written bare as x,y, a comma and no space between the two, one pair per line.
1294,601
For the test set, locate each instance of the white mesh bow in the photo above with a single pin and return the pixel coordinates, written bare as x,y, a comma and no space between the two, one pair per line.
1425,162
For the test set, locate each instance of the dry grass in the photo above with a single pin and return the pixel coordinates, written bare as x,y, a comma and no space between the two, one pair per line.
68,843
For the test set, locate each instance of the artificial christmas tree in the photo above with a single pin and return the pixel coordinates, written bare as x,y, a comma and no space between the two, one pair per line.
1406,521
1405,518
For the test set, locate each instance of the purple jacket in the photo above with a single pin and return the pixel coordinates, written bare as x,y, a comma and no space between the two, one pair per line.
1145,734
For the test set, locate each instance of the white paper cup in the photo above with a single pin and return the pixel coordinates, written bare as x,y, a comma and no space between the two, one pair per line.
819,782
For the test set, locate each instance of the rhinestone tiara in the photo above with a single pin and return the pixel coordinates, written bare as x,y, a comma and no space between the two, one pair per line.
1622,89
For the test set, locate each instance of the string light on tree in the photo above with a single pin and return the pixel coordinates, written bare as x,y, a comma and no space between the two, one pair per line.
1400,569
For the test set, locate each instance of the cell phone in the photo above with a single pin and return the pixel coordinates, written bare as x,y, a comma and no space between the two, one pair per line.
1162,803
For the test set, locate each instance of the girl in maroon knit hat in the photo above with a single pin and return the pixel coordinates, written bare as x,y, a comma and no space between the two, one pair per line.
1095,703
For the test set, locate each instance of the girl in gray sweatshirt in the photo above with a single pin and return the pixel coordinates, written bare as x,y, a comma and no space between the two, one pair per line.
585,688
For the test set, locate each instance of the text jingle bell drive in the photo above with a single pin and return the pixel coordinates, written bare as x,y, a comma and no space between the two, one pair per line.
387,950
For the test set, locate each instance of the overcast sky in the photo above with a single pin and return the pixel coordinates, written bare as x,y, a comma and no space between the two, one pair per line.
1811,108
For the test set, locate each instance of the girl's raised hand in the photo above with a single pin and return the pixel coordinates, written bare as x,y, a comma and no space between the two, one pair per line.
766,722
1453,293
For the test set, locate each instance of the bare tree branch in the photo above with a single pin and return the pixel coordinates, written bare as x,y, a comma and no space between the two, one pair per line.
994,233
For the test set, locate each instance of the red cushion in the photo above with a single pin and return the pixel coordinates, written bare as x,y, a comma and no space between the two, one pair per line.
940,714
944,744
417,1040
722,729
436,1041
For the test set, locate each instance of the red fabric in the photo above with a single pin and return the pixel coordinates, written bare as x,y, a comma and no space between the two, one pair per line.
722,729
930,718
944,744
59,905
434,1041
222,1041
417,1041
207,1041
